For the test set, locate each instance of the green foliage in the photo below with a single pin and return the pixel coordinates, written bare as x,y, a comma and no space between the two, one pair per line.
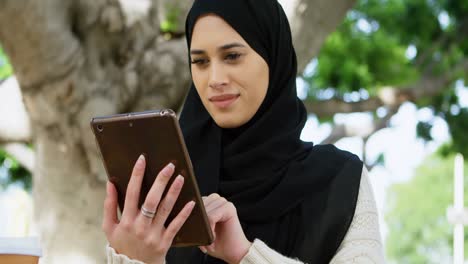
423,130
5,68
369,49
394,43
380,161
458,123
11,172
170,23
352,59
420,232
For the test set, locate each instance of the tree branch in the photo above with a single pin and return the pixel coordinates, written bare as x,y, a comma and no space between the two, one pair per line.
392,97
328,108
25,26
358,130
368,165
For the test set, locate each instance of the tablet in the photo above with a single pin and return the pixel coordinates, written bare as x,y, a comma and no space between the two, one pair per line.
122,138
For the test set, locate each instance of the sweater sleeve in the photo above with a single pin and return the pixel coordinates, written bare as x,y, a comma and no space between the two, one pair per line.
115,258
260,253
362,243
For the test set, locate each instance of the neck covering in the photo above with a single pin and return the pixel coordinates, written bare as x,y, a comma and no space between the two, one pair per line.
296,197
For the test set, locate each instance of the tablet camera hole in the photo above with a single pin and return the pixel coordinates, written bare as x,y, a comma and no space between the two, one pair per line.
167,112
100,128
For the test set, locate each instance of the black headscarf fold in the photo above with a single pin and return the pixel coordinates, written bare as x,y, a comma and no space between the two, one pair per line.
296,197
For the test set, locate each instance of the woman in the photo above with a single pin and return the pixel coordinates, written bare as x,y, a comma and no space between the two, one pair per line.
271,198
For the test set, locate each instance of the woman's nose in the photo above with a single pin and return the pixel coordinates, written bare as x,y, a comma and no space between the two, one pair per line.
218,77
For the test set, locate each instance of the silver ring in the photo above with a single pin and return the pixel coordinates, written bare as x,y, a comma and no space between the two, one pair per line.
147,213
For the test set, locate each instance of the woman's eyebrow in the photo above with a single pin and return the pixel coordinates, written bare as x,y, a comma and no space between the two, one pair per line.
196,51
223,47
231,45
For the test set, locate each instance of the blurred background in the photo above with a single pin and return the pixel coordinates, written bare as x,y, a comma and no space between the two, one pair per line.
385,79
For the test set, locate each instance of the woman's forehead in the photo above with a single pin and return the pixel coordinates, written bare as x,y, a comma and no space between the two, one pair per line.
213,30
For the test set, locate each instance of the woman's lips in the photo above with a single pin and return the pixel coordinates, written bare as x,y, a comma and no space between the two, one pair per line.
224,101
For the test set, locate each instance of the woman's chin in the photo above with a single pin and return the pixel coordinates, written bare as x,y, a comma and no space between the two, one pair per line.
228,122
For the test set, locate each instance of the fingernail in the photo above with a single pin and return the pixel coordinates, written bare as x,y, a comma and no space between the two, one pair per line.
141,158
167,170
179,182
108,187
191,204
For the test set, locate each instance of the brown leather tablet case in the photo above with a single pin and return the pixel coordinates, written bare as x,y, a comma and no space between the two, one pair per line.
156,134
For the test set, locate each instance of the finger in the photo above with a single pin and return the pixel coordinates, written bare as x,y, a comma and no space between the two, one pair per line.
210,248
215,204
110,219
157,189
178,221
210,198
133,189
221,214
168,203
203,249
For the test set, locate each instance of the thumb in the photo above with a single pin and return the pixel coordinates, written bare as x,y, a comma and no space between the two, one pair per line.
110,219
203,249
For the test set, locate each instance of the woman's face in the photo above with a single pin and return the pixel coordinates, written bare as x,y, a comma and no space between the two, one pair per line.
230,77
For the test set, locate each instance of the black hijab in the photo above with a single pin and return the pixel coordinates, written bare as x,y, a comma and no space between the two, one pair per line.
297,198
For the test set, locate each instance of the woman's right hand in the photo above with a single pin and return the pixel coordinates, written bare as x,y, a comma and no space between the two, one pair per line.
138,236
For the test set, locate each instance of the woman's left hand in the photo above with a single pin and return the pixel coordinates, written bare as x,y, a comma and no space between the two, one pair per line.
230,243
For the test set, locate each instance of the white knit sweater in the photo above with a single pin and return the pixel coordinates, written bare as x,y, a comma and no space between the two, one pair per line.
362,244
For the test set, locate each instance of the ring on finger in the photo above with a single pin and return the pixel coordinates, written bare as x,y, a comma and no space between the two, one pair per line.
147,213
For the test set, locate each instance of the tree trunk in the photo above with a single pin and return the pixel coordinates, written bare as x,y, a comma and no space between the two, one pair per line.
79,59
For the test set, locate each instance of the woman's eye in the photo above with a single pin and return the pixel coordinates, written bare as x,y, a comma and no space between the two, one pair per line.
232,56
198,61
